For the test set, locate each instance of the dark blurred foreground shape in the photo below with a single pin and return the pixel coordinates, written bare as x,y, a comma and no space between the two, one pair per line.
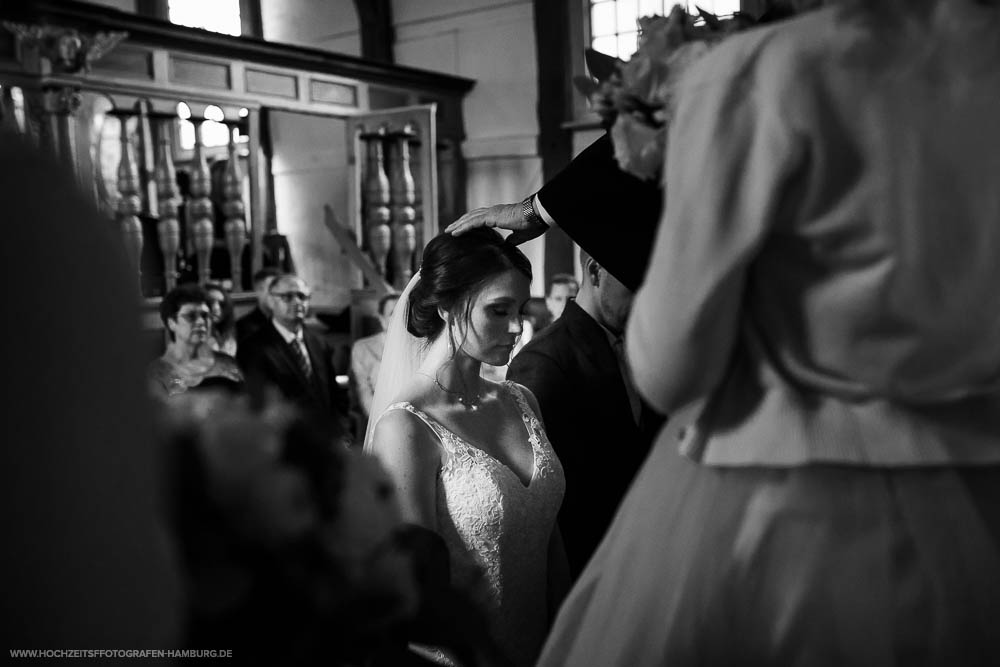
86,562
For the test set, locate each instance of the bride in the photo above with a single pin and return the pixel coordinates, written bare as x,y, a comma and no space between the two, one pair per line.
469,457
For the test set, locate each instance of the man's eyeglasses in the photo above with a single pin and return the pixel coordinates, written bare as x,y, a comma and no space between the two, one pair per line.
289,297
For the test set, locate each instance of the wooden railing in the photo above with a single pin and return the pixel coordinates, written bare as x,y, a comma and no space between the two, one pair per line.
84,73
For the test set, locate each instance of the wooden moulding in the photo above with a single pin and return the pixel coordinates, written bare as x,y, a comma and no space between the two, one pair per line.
152,32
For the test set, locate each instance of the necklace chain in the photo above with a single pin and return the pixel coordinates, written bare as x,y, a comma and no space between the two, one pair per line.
470,403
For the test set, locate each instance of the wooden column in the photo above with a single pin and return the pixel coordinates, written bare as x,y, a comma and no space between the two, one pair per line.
199,206
555,144
8,110
40,120
234,227
377,33
168,229
129,201
404,212
62,103
377,199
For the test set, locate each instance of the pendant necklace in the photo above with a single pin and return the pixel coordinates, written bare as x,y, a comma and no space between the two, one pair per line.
470,403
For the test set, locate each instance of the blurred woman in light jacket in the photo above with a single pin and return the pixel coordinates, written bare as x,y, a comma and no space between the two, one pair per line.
826,278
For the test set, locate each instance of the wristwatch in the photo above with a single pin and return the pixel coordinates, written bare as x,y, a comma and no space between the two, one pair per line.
529,213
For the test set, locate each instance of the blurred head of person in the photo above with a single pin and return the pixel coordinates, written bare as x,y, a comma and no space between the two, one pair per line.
386,306
221,306
288,298
537,312
290,544
261,282
562,288
604,297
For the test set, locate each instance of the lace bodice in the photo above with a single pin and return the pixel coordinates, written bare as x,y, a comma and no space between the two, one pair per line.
496,526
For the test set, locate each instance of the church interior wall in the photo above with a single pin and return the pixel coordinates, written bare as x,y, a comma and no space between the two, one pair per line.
306,177
491,41
331,25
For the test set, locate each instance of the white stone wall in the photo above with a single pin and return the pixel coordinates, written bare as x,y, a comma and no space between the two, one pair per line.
331,25
492,42
310,169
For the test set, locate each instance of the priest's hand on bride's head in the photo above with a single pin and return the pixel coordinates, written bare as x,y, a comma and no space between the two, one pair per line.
502,216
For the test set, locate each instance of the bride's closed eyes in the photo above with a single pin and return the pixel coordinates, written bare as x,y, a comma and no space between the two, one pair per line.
496,319
504,310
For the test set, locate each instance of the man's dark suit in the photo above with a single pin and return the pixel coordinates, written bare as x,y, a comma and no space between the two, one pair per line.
573,371
265,357
254,320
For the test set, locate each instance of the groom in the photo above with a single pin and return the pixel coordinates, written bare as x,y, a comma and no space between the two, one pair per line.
593,415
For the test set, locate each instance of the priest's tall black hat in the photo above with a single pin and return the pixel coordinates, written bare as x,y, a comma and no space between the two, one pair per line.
609,213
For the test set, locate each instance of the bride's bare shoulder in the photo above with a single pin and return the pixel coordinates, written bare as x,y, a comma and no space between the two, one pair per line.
402,433
529,397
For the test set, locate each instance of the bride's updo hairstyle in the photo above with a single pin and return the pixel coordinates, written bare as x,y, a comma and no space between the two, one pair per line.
454,270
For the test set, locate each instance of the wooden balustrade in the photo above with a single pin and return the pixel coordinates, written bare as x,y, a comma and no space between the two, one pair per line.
186,232
390,201
127,73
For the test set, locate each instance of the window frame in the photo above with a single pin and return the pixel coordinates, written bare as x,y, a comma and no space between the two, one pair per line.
251,24
580,39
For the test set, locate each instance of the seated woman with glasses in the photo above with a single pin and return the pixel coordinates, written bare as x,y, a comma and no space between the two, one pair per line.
189,360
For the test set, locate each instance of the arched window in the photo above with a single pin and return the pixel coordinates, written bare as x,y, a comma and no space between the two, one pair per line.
613,22
215,15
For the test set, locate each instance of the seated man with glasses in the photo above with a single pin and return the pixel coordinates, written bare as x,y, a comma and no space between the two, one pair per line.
189,360
290,357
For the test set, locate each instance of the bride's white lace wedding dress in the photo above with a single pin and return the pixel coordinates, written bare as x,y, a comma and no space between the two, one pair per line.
496,526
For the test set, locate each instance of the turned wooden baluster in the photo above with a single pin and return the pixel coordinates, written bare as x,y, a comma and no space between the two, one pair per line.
404,197
168,229
129,201
377,199
234,228
199,206
8,110
379,243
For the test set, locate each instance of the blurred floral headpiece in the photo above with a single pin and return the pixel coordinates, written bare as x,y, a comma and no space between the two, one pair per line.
635,99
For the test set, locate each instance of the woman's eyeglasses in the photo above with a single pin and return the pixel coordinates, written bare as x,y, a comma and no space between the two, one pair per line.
193,316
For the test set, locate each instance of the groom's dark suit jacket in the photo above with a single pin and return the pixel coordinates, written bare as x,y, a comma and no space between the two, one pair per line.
573,371
265,357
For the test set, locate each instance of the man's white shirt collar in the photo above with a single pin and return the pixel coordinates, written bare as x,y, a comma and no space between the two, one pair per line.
289,336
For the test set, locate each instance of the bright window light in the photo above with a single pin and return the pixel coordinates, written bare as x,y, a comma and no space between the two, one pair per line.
215,15
613,22
213,132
